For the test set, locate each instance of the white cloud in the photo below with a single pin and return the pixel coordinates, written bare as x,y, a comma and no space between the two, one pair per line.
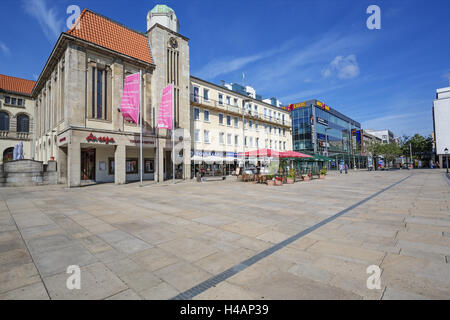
342,67
4,49
47,17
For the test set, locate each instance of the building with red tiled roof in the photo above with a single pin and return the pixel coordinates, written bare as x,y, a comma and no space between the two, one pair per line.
78,97
16,116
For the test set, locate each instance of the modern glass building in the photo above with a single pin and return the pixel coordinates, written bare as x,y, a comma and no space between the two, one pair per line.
319,129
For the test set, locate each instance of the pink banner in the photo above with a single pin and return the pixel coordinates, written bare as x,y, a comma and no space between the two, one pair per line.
129,107
166,108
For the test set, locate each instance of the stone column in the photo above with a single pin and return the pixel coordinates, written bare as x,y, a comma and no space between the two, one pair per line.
74,164
160,160
120,156
62,165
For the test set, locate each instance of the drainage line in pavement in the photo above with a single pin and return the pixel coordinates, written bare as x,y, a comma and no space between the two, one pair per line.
215,280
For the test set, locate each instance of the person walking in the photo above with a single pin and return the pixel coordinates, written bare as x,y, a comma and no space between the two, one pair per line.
346,168
341,167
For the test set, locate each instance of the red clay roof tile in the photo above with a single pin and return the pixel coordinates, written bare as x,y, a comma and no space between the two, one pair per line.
111,35
17,85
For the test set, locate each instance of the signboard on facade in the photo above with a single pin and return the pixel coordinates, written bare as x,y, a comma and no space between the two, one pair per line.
166,108
129,106
322,121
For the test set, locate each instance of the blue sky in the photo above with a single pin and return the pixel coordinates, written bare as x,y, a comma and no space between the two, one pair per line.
294,50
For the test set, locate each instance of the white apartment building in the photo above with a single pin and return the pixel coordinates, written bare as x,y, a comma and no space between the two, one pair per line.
441,122
225,123
386,136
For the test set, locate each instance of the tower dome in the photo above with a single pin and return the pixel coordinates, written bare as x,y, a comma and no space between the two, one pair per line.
163,15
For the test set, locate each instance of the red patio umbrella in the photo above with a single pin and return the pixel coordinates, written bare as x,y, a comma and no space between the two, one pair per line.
260,153
293,154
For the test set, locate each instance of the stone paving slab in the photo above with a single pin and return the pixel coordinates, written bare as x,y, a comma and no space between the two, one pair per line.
172,238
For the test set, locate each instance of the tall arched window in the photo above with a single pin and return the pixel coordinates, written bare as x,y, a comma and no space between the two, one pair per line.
23,123
4,121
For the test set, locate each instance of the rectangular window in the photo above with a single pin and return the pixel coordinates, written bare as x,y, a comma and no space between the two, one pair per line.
245,141
236,122
220,118
132,166
250,124
8,100
20,102
257,142
206,115
206,94
206,136
284,145
221,138
13,100
265,112
235,102
256,126
197,135
196,114
111,166
229,139
196,94
284,132
228,100
220,99
251,141
228,120
149,166
99,94
236,140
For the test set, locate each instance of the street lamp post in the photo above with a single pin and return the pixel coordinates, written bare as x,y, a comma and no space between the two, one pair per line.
446,156
244,101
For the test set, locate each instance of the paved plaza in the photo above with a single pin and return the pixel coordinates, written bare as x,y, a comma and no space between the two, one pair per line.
230,240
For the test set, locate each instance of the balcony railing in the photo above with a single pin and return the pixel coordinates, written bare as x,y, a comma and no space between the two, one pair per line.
199,100
15,135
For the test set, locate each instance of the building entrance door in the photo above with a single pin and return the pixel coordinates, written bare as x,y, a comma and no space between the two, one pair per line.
88,164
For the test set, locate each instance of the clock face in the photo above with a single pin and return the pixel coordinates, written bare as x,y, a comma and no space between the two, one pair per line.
173,43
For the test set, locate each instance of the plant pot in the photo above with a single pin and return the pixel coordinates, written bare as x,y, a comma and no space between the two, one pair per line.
306,178
270,183
322,176
290,181
278,182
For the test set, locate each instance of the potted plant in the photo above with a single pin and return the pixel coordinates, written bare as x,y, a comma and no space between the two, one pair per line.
278,181
270,180
291,176
323,173
307,177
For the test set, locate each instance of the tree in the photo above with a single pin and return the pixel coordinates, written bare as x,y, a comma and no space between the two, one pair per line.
422,147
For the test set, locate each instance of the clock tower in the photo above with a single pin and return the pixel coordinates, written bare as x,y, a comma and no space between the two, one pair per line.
170,53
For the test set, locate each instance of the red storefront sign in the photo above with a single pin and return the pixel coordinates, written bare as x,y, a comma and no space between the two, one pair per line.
106,140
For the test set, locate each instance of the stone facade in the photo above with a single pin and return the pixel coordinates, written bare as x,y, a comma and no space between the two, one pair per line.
21,173
12,135
68,111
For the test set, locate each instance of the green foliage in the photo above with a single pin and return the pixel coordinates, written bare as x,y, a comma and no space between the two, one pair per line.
421,146
291,173
323,172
